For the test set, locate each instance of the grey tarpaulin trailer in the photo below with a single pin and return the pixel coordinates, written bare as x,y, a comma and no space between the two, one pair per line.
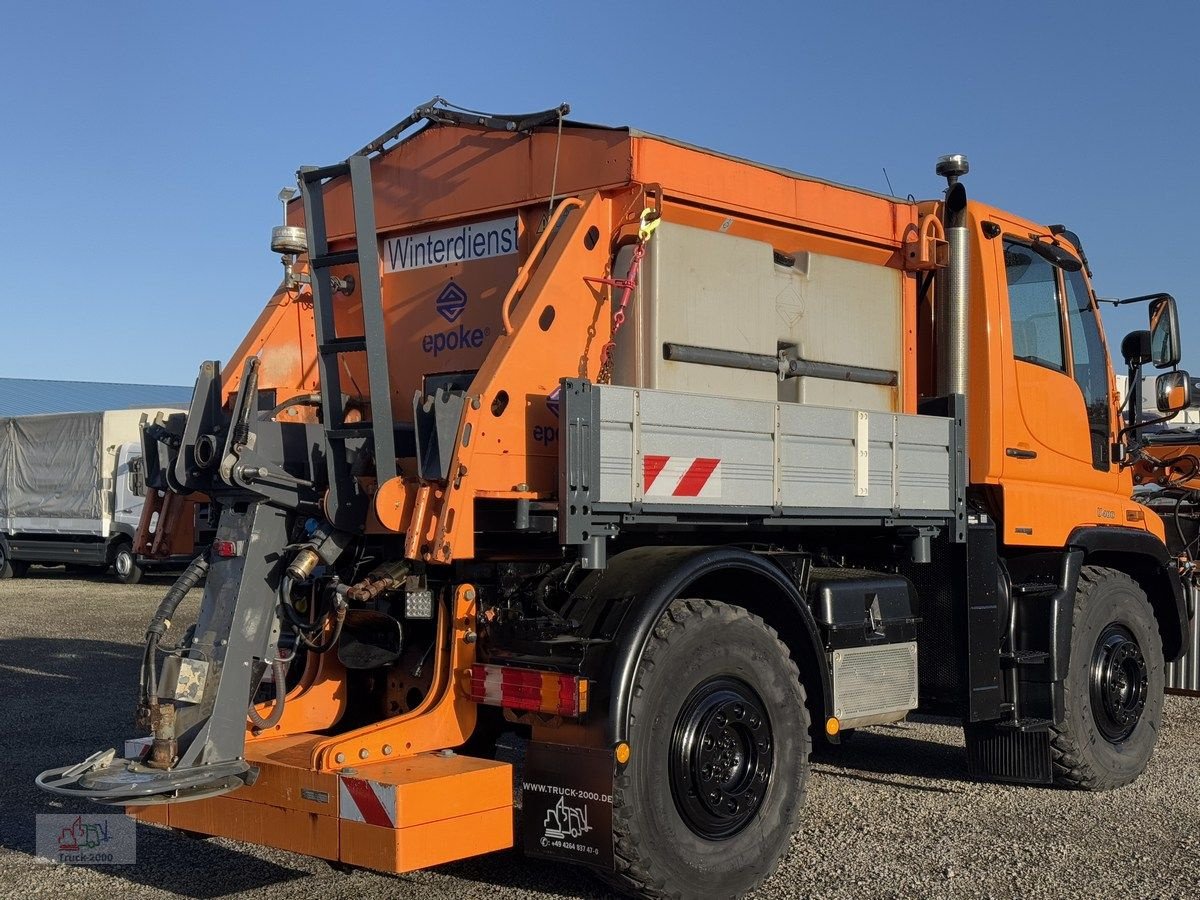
66,494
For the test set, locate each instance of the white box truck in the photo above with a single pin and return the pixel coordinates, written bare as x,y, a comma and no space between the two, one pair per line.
67,495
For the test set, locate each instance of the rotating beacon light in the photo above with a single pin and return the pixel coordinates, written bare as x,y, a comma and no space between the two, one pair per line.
289,241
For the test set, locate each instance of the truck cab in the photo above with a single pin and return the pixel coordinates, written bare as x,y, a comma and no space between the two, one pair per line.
1042,392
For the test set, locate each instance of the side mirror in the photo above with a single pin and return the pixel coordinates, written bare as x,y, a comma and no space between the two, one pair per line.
1173,391
1164,333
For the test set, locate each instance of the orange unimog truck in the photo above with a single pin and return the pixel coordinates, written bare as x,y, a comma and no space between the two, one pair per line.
674,463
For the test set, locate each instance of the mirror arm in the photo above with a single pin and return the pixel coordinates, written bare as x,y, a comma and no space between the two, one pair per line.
1134,400
1144,298
1140,425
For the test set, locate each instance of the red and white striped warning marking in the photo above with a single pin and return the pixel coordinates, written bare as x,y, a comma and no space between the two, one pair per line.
367,801
681,476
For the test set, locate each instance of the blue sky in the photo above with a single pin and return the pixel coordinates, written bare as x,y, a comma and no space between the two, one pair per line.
143,143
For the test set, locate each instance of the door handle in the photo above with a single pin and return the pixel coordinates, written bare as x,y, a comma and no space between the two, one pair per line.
1018,453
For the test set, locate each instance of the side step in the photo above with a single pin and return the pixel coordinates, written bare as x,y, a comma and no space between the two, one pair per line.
1018,755
1024,657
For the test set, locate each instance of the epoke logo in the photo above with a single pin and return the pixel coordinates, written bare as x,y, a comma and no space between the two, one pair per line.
451,302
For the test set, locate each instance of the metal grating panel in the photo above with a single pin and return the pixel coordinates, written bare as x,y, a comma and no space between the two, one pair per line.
873,681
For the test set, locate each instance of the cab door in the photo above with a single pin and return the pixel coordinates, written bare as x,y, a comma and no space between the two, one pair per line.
1057,473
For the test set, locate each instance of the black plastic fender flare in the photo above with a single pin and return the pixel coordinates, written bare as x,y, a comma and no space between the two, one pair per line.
621,604
1146,558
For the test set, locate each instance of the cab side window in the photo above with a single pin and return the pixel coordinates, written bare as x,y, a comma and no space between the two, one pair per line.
1088,364
1037,332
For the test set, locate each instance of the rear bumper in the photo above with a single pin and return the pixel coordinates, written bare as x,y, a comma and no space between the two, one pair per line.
396,816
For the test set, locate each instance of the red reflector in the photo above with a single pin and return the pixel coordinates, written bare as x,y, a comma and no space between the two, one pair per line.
225,549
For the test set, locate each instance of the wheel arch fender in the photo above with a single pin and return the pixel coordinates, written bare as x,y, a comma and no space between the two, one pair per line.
116,541
1145,559
625,600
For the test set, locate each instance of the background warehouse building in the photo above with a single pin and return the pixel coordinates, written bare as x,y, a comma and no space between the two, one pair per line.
31,396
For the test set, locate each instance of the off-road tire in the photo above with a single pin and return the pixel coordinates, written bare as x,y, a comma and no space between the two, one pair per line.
125,564
1084,756
658,853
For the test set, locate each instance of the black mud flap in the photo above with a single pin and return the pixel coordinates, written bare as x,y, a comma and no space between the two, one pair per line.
567,804
999,753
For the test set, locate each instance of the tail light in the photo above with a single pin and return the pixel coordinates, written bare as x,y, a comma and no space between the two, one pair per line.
529,689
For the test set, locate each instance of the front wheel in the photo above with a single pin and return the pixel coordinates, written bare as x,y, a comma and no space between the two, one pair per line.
719,735
9,567
1113,696
126,566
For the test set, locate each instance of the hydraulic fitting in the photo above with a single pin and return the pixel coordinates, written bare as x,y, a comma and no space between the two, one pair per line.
325,544
164,750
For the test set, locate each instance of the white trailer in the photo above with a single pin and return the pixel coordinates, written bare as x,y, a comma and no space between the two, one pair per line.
66,491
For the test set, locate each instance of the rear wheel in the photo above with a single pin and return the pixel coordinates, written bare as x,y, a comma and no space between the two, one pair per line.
125,565
719,735
1113,697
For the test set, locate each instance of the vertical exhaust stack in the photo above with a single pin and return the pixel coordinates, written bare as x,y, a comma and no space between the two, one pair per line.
954,284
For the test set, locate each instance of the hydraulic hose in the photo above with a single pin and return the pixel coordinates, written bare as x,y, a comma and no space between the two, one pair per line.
280,672
299,625
303,629
191,576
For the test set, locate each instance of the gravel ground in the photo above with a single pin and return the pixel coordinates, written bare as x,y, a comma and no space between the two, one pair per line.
890,815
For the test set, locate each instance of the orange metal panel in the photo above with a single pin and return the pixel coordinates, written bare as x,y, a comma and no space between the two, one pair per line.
1035,409
258,823
445,718
559,324
448,172
421,846
284,339
447,808
152,815
738,186
316,703
286,779
430,787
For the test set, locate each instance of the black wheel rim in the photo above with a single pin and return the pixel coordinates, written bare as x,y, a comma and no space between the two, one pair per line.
722,754
1119,683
